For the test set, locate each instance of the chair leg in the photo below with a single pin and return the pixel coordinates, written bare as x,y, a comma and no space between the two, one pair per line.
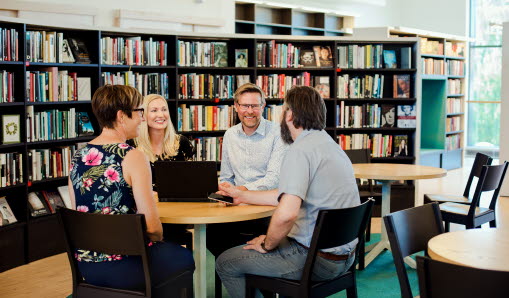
447,226
218,287
250,292
493,224
368,230
362,254
351,292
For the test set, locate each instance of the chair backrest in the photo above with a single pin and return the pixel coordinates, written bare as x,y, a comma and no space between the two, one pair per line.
359,155
439,279
120,234
479,161
336,227
409,231
491,179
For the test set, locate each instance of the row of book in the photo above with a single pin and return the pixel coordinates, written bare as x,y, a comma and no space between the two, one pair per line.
48,201
433,66
455,49
133,51
276,85
50,84
146,83
431,47
375,116
56,124
282,55
379,145
454,86
6,86
208,86
52,47
49,163
367,86
273,113
9,47
202,54
453,123
455,67
453,142
361,56
208,148
11,169
453,105
205,118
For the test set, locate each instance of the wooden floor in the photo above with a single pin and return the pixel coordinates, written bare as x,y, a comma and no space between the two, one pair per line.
51,277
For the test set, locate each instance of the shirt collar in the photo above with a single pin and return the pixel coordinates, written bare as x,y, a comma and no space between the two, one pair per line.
261,130
303,134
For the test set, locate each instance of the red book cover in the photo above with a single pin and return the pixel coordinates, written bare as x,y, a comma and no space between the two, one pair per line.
214,117
8,45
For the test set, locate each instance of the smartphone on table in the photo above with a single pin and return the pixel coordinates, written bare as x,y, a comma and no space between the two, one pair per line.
220,198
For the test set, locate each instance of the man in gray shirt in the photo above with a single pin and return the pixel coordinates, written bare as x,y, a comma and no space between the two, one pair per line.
251,158
315,174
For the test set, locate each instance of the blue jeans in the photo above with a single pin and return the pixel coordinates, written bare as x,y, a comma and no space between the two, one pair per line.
165,258
286,261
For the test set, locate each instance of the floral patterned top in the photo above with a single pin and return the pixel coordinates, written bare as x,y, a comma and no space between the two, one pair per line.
99,187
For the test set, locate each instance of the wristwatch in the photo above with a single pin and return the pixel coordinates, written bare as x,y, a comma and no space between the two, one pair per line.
264,248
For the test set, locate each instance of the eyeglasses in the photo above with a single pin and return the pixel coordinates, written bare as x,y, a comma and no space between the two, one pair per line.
245,107
140,110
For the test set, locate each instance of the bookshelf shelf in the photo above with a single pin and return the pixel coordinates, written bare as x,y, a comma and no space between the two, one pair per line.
7,146
372,129
432,56
454,114
56,103
380,100
62,141
12,187
44,64
137,67
454,132
210,68
455,58
12,63
295,69
11,104
41,182
205,132
455,77
434,77
397,70
455,95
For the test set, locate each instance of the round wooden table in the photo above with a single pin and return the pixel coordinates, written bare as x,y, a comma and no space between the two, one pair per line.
386,173
201,214
478,248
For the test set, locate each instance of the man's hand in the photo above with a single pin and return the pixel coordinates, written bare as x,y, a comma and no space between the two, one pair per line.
227,189
256,244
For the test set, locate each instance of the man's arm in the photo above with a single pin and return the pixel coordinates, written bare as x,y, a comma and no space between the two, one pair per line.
253,197
281,223
271,178
226,174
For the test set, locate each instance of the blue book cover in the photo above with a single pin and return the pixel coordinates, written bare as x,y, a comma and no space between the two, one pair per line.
390,59
85,127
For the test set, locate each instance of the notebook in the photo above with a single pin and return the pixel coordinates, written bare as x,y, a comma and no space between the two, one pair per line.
185,181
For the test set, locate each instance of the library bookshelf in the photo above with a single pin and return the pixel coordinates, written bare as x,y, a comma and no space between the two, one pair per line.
444,78
33,238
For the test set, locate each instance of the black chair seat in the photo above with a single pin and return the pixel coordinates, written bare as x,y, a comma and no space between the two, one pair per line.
441,198
369,194
463,209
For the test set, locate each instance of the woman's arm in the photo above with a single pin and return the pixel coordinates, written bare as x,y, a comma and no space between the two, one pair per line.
137,173
71,194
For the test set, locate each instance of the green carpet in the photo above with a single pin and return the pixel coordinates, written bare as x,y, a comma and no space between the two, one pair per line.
379,279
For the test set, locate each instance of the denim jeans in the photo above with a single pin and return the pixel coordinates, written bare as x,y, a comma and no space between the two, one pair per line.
286,261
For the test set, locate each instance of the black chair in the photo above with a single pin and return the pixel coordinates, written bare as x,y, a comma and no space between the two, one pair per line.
130,239
479,161
333,228
409,231
365,191
438,279
473,216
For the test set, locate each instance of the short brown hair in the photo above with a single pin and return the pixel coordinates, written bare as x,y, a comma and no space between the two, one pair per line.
308,107
248,88
109,99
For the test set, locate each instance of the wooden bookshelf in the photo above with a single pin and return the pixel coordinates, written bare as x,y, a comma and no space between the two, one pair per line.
257,18
35,238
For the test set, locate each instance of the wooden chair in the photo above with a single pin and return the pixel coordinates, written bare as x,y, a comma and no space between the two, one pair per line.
473,216
365,192
438,279
479,161
129,239
409,231
333,228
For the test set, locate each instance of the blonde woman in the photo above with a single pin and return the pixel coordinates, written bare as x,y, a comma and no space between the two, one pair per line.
157,138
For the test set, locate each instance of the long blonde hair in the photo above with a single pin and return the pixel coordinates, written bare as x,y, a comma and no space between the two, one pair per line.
171,141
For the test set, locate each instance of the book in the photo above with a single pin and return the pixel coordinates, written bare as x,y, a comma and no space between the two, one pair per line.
307,58
79,50
240,57
67,56
322,85
84,89
11,129
390,60
407,116
6,214
220,54
400,145
53,200
405,58
85,127
64,194
401,86
37,204
388,115
323,56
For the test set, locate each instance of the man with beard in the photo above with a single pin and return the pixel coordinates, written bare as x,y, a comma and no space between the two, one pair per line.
315,174
251,158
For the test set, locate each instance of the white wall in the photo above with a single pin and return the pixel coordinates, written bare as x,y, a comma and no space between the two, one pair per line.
504,107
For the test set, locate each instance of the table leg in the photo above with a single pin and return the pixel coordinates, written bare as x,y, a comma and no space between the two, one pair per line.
386,209
200,260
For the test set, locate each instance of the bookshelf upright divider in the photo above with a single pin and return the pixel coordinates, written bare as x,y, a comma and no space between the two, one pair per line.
201,87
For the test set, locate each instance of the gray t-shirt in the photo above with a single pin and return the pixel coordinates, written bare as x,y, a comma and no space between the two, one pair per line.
316,170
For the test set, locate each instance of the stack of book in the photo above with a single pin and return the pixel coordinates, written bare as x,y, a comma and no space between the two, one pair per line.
9,47
202,54
133,51
51,124
367,86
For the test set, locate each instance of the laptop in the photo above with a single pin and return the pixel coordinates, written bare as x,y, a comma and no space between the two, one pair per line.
185,181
